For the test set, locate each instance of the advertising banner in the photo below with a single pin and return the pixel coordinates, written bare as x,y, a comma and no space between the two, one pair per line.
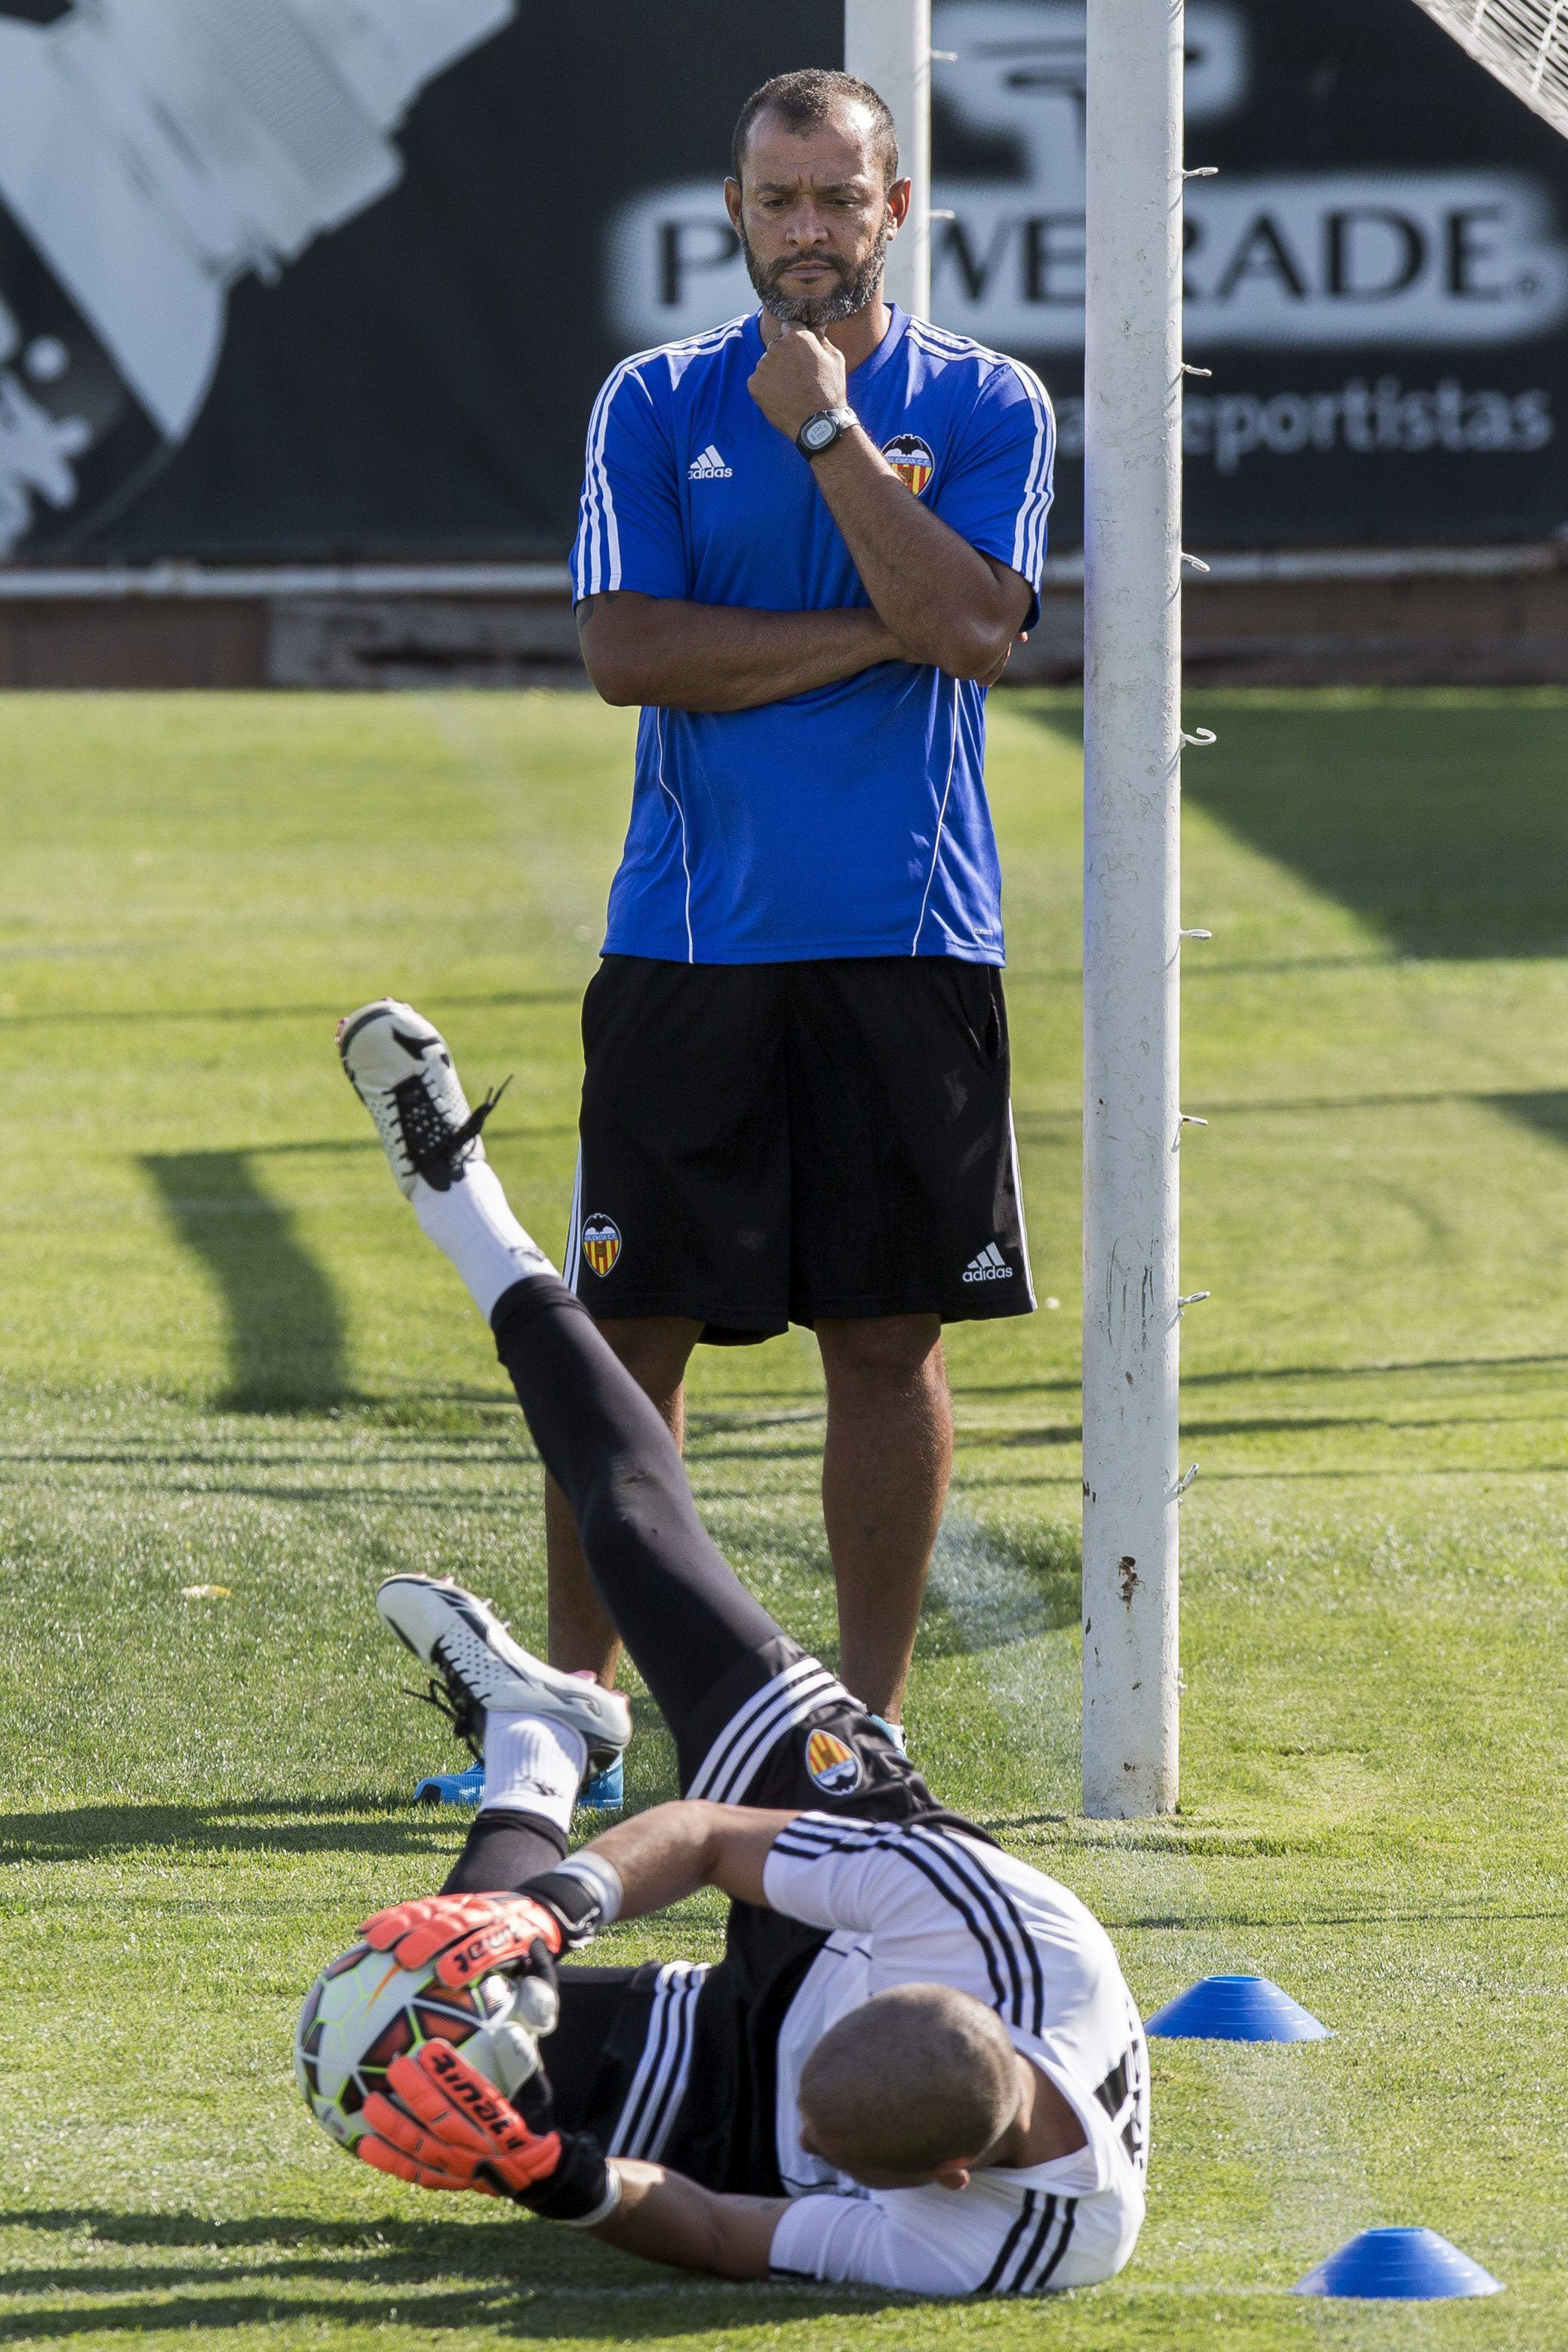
327,280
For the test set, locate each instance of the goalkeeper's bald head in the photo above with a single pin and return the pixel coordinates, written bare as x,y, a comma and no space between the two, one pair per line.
917,2080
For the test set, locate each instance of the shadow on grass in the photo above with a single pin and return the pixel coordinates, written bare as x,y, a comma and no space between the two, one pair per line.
524,999
359,1820
282,1825
268,1452
1442,823
533,2283
1291,1915
1244,1375
1248,1426
286,1331
1213,967
1279,1425
532,2314
333,1498
1546,1113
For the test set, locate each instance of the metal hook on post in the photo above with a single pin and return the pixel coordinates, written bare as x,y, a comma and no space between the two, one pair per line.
1186,1481
1202,739
1193,1298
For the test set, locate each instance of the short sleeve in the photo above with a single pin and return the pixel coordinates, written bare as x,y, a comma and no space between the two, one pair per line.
869,2242
834,1873
629,529
998,482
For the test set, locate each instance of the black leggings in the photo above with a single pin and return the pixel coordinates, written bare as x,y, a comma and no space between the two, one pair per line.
674,1601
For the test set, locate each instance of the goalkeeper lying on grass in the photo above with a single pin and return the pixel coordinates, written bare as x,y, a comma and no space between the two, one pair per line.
917,2065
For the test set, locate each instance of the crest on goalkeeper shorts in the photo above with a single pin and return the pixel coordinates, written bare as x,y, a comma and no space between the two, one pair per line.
835,1768
601,1242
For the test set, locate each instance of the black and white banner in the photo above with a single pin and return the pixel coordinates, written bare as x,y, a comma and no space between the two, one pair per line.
339,278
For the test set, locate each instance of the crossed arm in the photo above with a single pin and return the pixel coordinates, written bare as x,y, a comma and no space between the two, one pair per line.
933,598
658,650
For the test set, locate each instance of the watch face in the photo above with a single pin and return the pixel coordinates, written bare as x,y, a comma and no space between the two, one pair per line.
819,432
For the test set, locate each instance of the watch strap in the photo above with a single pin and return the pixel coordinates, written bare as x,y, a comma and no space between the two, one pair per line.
841,420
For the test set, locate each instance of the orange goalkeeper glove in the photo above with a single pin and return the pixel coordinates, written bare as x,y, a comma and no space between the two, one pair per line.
471,1934
522,1934
450,2129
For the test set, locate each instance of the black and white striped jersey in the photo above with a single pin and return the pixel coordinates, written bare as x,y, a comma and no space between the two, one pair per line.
918,1902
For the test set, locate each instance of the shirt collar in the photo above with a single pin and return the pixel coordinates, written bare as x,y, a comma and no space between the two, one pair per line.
871,365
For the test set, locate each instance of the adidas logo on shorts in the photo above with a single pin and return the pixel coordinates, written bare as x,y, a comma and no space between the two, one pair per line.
709,468
990,1265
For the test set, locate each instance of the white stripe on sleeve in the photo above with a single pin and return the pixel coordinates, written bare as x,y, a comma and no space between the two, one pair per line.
1029,535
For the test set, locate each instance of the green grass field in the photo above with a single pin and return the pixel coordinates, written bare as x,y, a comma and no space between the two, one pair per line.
230,1361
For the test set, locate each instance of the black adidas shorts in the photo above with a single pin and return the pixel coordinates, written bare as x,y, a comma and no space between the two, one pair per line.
676,2062
763,1144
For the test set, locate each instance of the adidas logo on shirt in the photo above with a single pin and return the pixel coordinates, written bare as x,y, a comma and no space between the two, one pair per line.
990,1265
709,468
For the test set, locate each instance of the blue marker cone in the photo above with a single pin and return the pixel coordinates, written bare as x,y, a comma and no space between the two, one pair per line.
1236,2009
1403,2265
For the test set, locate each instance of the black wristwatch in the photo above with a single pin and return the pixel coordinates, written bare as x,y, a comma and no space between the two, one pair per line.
821,431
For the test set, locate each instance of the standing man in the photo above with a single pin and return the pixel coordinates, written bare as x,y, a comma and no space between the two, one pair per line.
807,541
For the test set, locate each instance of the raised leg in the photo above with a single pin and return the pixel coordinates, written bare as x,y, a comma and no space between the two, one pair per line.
654,1349
661,1578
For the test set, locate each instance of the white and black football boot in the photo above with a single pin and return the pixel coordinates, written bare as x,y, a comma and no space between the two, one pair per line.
479,1666
401,1068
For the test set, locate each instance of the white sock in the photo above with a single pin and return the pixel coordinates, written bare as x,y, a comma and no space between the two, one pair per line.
532,1765
473,1223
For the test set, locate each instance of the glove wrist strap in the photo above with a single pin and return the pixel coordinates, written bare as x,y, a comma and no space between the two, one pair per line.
578,1898
602,2210
577,2189
601,1880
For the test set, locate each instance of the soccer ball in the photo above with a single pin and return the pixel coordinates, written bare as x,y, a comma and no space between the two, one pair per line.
364,2010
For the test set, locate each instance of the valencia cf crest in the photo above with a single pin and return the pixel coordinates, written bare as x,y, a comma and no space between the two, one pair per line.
601,1242
912,460
835,1768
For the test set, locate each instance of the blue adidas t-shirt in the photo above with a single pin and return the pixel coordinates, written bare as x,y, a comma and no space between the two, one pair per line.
850,821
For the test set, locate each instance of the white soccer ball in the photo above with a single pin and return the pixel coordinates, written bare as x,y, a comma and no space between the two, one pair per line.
364,2010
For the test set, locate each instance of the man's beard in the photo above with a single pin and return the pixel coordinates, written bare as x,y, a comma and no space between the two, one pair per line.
855,289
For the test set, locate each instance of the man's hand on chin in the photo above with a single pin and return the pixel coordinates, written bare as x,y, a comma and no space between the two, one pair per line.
797,376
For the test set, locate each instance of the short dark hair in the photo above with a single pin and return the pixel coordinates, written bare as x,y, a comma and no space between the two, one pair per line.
802,100
920,2076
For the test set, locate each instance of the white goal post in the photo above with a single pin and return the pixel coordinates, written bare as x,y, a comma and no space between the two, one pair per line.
1131,910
